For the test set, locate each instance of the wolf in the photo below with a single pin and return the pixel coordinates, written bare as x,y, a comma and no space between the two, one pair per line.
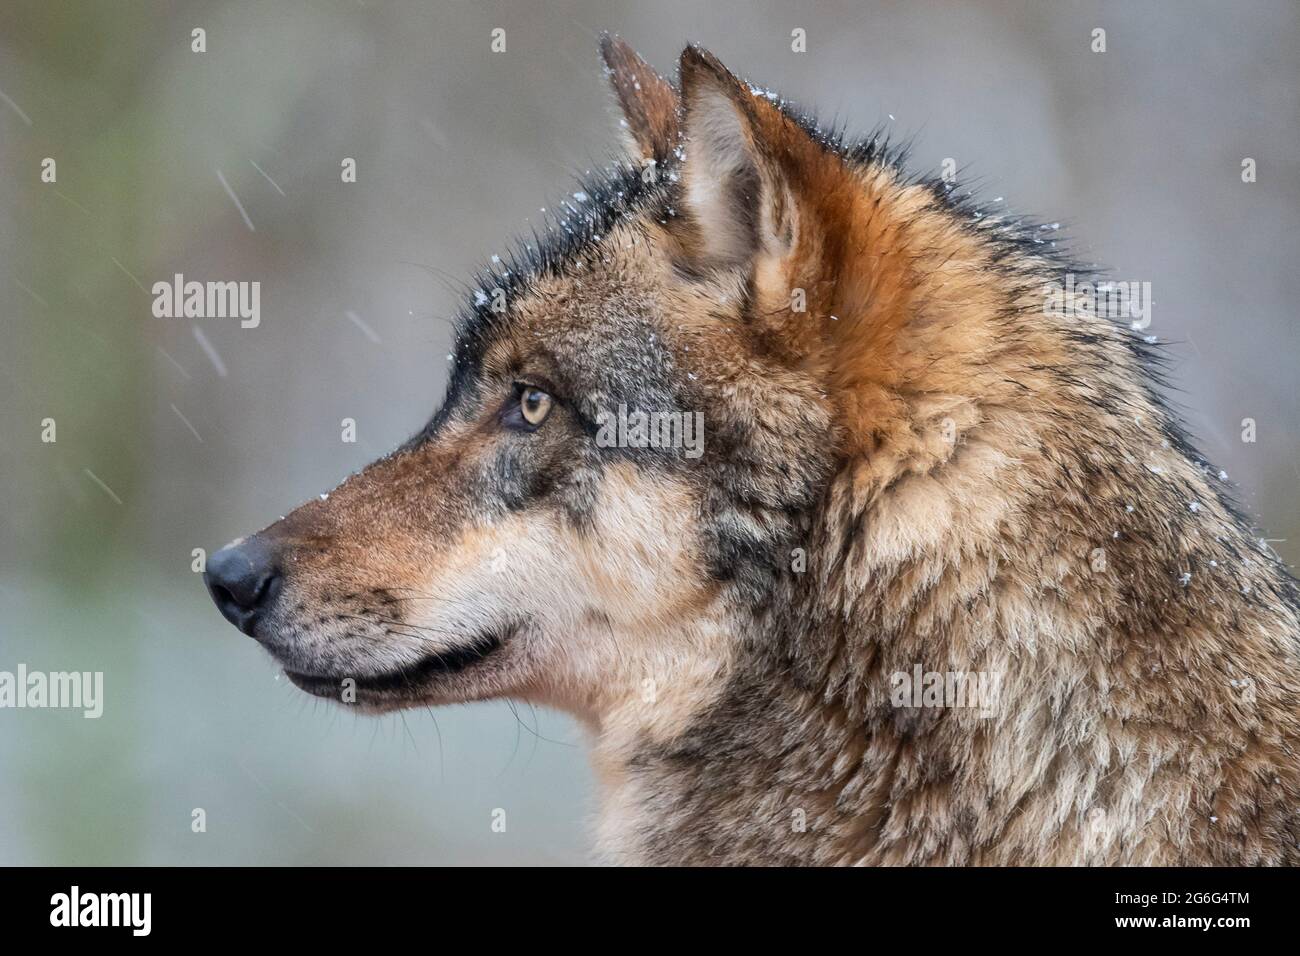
909,466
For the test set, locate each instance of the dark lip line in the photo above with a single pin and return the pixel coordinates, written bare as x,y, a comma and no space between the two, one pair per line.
451,661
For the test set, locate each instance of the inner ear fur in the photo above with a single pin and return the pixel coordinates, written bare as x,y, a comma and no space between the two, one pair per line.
735,182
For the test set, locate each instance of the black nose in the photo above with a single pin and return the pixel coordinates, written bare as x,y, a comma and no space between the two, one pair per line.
243,580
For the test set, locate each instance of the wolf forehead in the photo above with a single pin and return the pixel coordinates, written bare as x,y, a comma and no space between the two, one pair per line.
578,308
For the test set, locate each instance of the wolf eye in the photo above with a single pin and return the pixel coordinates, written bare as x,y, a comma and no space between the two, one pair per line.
533,407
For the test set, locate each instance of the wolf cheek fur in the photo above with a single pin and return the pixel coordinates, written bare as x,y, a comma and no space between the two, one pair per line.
913,473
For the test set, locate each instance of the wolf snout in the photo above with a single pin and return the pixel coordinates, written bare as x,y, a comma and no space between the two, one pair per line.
243,580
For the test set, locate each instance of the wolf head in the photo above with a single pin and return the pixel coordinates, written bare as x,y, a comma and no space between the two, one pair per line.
646,410
633,429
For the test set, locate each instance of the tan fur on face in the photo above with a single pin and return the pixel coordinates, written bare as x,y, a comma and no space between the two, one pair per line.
617,627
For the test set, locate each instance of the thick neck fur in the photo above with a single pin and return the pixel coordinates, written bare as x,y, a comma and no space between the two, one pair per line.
1008,498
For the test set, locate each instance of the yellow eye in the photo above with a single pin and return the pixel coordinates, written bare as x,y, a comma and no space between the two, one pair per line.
534,406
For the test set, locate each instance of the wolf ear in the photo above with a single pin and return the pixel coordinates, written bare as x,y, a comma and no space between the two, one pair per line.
734,187
649,101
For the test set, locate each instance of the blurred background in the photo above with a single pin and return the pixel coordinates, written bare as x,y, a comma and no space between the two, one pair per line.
176,434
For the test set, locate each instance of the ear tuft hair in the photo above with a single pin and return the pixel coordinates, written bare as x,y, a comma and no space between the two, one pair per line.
735,189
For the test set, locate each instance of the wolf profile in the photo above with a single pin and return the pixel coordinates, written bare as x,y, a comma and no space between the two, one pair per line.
910,465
